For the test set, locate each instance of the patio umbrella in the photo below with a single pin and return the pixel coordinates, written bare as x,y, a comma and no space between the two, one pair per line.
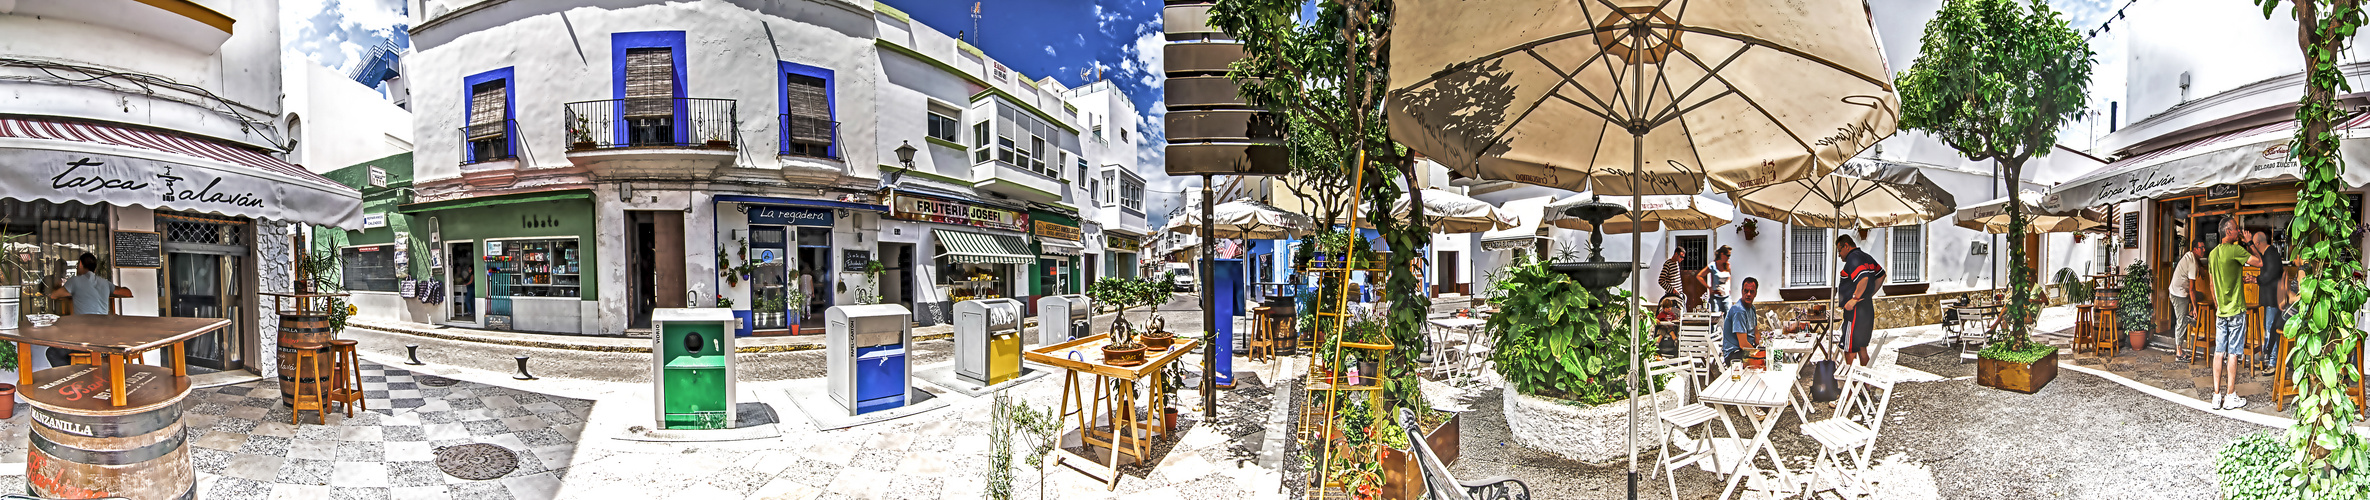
1992,217
1734,93
1652,213
1451,213
1864,194
1244,219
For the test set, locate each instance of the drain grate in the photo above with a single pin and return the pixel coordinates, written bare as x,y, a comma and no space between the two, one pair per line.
435,381
476,462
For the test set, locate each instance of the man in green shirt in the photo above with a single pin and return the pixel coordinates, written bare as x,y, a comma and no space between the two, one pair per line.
2230,311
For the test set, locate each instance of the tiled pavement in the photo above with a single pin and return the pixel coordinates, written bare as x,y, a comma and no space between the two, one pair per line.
244,448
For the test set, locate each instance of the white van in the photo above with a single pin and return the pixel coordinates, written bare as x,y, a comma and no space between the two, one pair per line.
1181,276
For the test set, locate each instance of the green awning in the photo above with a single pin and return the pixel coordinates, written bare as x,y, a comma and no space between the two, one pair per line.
488,201
982,248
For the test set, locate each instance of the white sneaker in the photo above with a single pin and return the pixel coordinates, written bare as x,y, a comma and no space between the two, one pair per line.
2217,401
2235,402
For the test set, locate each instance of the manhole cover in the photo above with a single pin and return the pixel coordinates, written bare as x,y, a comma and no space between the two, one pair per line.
435,381
476,462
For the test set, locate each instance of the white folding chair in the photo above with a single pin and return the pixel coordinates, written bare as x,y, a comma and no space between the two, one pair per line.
1974,328
1852,431
1680,419
1703,345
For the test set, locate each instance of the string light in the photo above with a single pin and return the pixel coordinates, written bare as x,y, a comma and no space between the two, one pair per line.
2108,25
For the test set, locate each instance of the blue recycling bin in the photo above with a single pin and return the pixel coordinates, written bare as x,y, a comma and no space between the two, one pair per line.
1226,288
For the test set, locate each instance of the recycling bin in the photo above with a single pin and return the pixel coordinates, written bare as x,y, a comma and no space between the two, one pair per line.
692,369
987,340
866,358
1063,318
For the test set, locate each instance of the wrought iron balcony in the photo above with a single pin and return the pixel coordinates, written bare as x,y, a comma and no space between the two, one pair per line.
810,136
680,122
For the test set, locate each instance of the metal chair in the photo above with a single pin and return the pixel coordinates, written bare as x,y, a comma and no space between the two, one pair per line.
1440,485
1680,419
1852,432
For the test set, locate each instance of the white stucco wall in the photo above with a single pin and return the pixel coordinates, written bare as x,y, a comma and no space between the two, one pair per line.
339,122
244,71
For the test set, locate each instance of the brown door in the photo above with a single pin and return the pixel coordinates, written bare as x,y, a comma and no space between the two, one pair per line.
1698,255
667,251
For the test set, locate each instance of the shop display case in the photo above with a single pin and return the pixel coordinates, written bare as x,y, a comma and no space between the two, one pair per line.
537,268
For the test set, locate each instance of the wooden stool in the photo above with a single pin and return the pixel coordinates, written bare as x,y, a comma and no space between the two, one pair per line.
2106,337
1261,346
2085,315
2201,334
2250,355
346,390
2281,387
308,367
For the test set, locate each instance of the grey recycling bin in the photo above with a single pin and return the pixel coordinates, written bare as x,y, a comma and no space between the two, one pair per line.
1062,318
987,340
866,358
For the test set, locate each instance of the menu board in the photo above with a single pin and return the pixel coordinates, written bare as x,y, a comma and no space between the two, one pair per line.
139,249
855,260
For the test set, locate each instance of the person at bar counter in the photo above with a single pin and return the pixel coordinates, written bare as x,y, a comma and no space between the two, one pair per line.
2230,312
1855,293
90,292
2183,274
2270,283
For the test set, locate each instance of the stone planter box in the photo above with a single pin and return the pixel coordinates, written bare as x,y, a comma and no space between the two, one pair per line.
1588,434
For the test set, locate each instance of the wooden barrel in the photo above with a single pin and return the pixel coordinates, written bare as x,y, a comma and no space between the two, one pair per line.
296,329
82,446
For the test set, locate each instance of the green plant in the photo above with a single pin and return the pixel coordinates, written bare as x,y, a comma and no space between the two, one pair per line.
2002,351
1125,294
1023,430
2258,466
1994,80
724,302
1557,339
2136,313
582,131
2076,288
871,292
2329,459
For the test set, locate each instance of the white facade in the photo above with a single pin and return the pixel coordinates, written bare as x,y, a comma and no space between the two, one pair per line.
334,122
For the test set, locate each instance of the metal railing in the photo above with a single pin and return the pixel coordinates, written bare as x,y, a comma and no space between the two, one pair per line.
809,136
486,142
679,122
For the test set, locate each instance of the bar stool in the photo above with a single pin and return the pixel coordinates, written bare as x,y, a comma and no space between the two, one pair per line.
2084,317
308,374
346,391
2251,356
2105,335
2201,334
2281,387
1261,346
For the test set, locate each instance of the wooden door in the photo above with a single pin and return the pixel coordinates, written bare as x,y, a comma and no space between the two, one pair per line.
667,275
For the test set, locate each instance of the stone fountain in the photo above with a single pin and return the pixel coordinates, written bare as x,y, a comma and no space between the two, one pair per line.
1595,273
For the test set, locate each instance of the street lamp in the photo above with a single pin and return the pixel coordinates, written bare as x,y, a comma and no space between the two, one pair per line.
905,152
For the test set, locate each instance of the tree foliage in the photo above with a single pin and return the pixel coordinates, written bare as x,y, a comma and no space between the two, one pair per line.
1994,80
2328,459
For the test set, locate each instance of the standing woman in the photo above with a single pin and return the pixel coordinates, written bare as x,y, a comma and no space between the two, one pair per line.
1715,279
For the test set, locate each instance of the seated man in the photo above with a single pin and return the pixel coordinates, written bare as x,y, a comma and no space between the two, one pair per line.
1740,329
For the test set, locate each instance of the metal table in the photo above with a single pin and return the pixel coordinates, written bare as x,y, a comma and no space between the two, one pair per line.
1129,434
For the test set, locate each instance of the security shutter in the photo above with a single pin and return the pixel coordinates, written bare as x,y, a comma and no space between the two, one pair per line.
649,82
810,110
486,110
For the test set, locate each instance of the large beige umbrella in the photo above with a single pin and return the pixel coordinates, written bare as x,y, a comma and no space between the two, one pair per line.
1244,219
1733,93
1653,213
1992,217
1864,194
1451,213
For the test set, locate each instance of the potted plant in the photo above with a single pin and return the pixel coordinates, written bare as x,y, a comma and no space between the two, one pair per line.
580,135
792,307
1126,347
1749,228
718,142
2136,316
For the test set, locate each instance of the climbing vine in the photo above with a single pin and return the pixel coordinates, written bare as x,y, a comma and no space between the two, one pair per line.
2329,457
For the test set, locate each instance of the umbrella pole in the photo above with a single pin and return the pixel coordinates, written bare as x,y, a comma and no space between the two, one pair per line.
1638,168
1209,306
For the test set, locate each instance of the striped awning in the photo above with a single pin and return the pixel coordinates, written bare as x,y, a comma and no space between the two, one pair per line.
93,163
1061,247
981,248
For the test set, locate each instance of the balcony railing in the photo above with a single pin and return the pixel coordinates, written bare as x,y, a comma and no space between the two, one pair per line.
810,136
680,122
493,141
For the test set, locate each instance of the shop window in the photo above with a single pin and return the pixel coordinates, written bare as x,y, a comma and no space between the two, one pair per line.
1909,254
50,237
1807,251
368,268
534,268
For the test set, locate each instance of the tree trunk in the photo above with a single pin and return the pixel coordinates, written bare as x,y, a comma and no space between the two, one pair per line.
2019,273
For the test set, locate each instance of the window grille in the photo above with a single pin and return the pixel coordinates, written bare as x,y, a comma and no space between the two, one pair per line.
1806,256
1909,254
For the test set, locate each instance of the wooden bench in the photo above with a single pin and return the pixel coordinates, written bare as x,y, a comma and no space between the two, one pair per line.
1436,474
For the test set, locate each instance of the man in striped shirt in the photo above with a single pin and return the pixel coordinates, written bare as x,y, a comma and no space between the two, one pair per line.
1670,272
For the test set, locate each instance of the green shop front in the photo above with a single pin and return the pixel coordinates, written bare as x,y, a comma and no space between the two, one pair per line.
385,266
1058,248
521,261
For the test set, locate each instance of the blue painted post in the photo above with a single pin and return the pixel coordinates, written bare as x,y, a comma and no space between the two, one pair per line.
1226,288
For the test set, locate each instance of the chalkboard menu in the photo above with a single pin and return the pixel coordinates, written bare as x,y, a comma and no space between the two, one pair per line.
139,249
855,260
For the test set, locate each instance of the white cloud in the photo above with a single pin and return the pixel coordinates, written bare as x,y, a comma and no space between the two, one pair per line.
320,30
1049,51
1081,39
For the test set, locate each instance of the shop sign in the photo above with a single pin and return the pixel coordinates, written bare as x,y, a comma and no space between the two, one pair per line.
2219,192
378,177
1118,243
948,212
1055,230
789,216
374,220
139,249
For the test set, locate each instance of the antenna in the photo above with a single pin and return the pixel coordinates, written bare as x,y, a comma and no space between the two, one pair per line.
975,23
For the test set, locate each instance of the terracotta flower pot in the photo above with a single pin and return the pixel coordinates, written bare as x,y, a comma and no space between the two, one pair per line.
1159,341
7,401
1168,420
1123,357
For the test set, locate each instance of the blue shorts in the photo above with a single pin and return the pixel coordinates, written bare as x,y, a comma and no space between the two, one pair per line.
2231,334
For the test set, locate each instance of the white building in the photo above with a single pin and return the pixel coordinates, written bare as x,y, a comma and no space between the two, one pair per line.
674,154
149,134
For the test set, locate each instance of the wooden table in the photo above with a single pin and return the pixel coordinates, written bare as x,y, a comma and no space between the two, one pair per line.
110,429
1129,435
1769,390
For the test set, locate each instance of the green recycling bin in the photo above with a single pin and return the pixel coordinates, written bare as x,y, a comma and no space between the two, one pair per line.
693,371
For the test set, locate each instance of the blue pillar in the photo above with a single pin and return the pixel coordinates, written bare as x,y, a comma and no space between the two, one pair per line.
1227,290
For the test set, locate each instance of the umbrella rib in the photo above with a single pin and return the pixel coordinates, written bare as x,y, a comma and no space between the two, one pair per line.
1592,30
1552,92
1668,114
1584,107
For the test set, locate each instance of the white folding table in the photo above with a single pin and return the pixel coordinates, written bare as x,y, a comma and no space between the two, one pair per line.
1440,351
1769,390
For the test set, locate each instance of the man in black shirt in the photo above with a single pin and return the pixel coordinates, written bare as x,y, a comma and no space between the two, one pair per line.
2270,285
1855,293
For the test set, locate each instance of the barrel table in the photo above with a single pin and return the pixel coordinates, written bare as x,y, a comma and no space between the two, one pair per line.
109,429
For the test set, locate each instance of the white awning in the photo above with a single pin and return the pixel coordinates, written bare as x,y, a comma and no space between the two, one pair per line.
1061,247
1527,213
2256,155
68,161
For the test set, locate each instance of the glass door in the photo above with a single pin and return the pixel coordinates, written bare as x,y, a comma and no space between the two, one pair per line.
814,273
769,292
462,294
206,286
